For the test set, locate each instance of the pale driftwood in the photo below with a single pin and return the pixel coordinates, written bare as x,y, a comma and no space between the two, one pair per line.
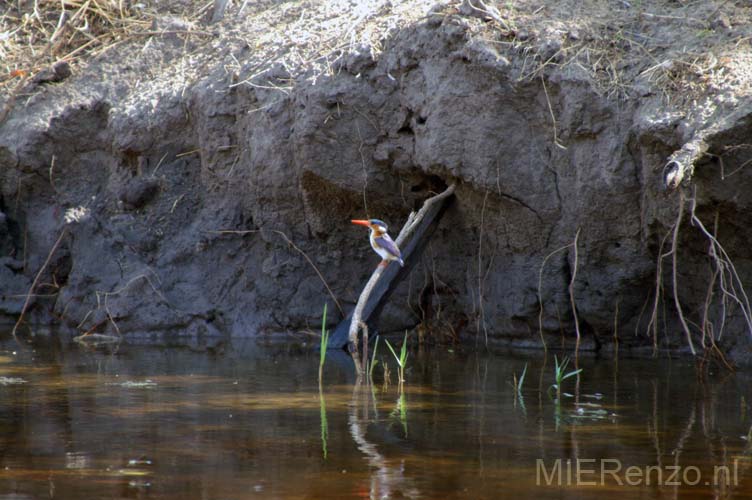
412,222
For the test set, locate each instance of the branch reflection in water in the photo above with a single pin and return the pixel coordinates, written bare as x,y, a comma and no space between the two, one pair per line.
388,478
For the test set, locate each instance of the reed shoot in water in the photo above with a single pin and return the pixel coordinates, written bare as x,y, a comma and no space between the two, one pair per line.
560,374
401,359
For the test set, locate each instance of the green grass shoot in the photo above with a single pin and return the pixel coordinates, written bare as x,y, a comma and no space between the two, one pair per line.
324,345
374,361
560,374
401,359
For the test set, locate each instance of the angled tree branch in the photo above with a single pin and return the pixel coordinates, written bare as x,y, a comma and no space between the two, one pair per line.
412,222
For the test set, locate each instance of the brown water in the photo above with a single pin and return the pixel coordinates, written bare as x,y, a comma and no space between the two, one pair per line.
249,422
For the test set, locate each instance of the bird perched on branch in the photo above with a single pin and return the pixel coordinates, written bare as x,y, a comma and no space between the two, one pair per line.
381,242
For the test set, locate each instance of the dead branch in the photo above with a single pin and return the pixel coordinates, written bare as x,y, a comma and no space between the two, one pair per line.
412,222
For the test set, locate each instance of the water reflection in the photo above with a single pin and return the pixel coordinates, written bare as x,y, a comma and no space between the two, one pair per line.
324,421
388,478
252,421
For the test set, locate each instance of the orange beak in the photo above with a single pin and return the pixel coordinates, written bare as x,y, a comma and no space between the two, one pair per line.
361,223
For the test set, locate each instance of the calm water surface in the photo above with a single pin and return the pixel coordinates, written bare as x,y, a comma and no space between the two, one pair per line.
250,422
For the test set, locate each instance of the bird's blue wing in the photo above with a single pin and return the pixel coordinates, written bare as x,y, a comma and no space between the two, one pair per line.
389,245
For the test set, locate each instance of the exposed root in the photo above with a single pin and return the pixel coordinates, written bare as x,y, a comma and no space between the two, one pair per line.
723,276
674,267
571,295
540,294
553,117
34,283
570,290
729,282
104,304
481,320
658,292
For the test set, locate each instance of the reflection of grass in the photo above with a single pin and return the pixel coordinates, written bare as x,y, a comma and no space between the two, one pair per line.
401,359
324,422
324,344
322,401
517,383
400,410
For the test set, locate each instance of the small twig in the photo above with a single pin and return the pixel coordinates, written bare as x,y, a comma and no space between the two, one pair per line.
36,280
232,231
159,164
171,32
187,153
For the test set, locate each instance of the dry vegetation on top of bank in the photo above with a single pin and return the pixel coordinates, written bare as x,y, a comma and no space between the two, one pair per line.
629,48
625,48
37,34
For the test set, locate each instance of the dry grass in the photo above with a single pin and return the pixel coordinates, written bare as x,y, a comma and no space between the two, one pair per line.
680,48
35,34
307,37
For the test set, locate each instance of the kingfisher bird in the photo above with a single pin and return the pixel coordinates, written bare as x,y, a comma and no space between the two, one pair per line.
381,242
